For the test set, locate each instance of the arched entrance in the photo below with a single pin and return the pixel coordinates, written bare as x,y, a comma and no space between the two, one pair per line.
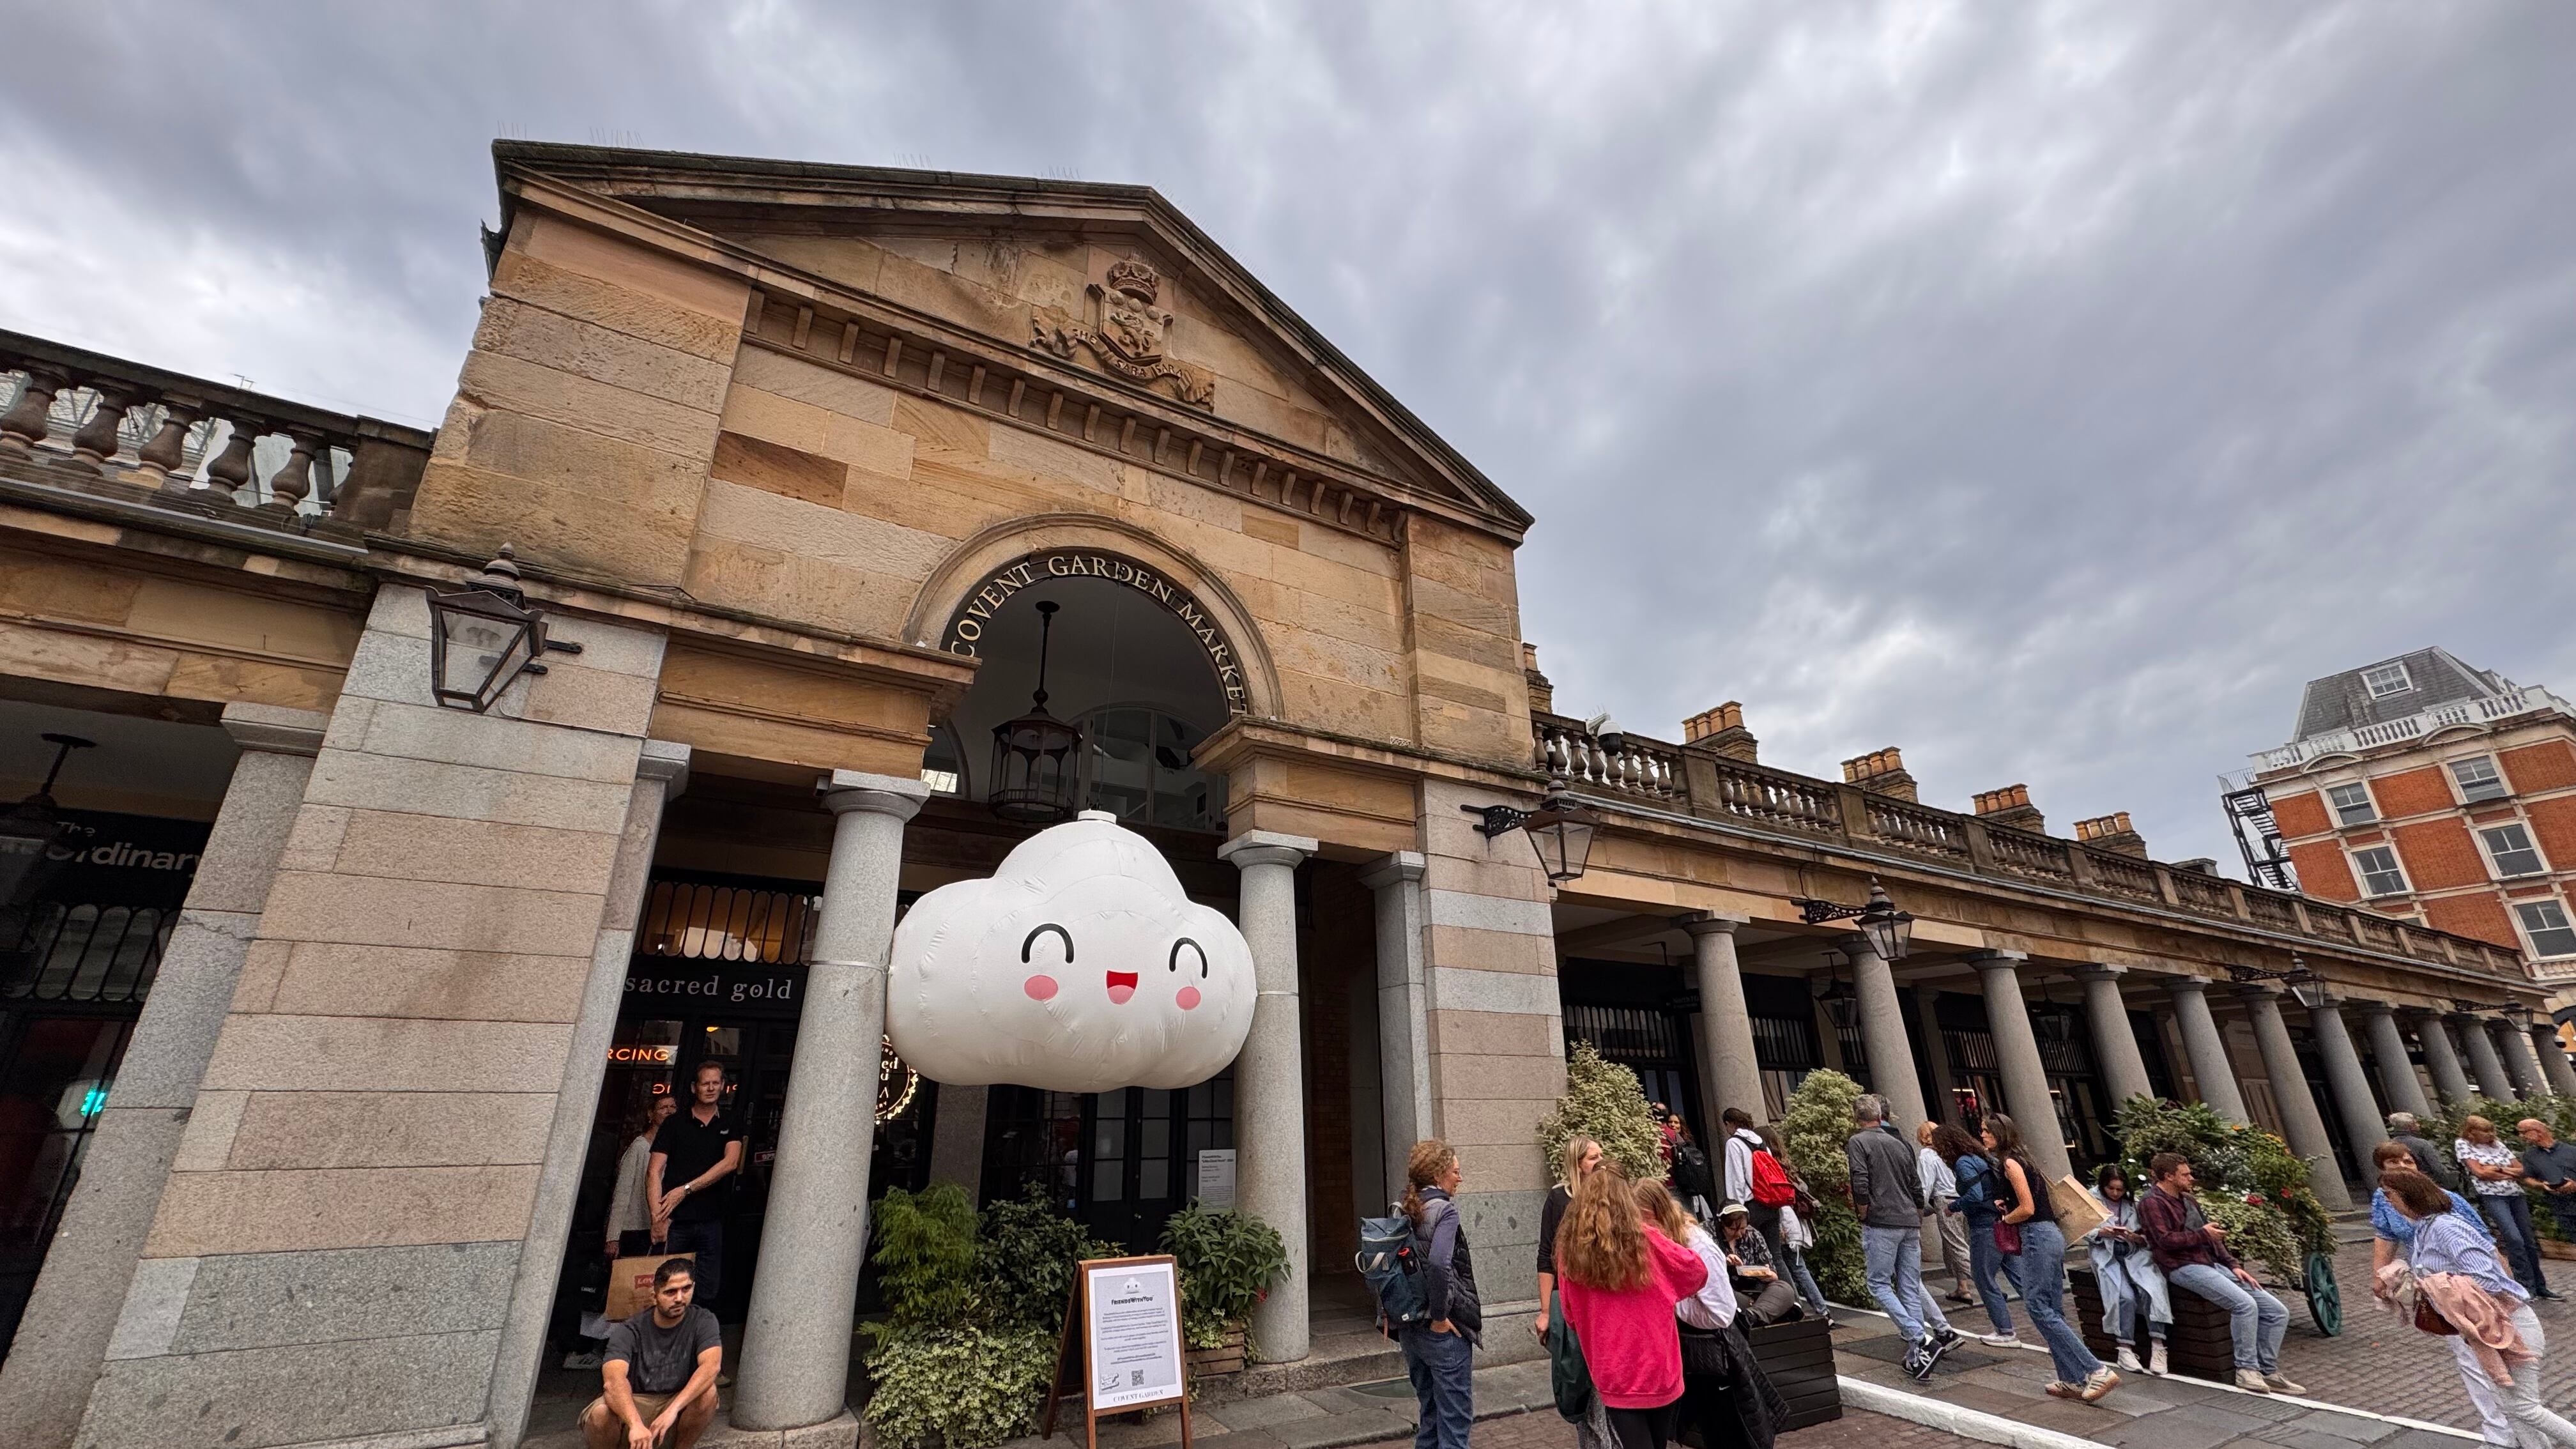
1147,670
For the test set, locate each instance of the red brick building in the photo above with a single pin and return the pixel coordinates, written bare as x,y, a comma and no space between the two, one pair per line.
2433,791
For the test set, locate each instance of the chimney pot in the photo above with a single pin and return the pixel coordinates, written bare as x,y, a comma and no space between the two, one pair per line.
2113,833
1721,732
2011,807
1881,772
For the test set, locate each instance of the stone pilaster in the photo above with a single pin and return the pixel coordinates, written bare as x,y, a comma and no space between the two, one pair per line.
2396,1069
1882,1034
2363,1124
1269,1081
2017,1053
1726,1022
2441,1058
796,1340
2485,1065
2301,1122
2205,1048
2115,1042
1403,1011
63,1338
662,771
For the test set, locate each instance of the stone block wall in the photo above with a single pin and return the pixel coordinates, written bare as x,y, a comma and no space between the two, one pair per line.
363,1157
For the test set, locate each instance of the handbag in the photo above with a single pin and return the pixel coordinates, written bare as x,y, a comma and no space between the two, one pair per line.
2007,1238
2430,1320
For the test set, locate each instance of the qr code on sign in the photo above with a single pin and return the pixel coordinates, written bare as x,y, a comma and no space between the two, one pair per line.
1135,1378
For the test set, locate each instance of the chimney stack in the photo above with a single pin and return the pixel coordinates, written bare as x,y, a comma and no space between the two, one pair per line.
1542,695
1721,731
2112,833
1882,772
2011,806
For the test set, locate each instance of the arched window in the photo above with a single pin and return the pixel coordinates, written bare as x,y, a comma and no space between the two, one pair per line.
1141,770
943,765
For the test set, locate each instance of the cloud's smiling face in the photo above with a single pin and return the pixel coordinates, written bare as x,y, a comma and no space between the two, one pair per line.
1078,967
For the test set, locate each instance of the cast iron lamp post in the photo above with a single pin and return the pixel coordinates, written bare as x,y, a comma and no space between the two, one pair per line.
485,635
1560,830
1890,932
2306,987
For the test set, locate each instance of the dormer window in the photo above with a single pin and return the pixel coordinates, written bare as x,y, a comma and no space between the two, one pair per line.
2383,680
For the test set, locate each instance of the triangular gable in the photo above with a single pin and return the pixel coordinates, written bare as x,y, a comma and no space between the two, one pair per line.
1056,266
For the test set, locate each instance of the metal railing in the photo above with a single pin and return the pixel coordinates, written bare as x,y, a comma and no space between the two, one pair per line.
202,447
2484,709
1696,781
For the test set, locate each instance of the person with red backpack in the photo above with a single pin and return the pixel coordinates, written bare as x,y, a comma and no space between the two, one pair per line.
1756,1179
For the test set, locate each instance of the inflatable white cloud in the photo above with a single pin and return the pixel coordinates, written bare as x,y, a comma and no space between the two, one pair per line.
1079,966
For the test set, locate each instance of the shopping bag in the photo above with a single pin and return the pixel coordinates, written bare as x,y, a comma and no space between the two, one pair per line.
2077,1212
630,1285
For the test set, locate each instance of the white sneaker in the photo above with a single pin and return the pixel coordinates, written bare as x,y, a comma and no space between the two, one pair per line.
2280,1385
2251,1381
2129,1361
2156,1358
1998,1340
2102,1381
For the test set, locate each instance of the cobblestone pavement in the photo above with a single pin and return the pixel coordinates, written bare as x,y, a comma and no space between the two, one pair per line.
1544,1430
2386,1366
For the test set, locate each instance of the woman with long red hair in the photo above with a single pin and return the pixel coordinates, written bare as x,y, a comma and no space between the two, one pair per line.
1619,1280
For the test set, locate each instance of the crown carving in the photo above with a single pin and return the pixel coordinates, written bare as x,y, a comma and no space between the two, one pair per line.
1135,279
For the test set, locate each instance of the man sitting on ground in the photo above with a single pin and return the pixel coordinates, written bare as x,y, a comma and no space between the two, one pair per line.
658,1377
2192,1251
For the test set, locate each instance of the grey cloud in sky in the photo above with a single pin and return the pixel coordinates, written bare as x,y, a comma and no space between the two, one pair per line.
2049,390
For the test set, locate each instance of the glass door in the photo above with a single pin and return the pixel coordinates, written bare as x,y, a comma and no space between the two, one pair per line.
55,1085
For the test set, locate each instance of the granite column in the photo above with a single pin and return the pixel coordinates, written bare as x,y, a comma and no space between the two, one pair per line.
2205,1048
1403,1011
2017,1053
2301,1122
2441,1058
2396,1069
1882,1035
1726,1022
1269,1081
2115,1042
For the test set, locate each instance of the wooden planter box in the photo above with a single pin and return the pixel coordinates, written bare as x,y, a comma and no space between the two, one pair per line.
2197,1345
1225,1358
2552,1248
1799,1357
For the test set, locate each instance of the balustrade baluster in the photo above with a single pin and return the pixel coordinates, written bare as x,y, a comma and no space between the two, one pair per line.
96,442
24,428
231,470
294,480
159,458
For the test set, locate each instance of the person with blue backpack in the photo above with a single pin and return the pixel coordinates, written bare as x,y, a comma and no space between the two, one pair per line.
1419,1266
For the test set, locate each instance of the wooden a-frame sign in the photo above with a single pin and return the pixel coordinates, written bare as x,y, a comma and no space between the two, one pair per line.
1122,1334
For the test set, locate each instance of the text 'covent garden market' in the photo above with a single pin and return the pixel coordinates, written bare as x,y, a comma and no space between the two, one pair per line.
858,520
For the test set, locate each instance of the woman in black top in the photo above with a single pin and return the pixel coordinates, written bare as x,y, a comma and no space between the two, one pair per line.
1580,1155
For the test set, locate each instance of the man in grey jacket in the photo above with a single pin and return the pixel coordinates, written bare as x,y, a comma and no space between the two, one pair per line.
2430,1160
1887,1191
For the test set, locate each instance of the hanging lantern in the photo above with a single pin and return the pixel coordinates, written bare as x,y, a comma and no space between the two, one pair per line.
29,833
1037,758
1890,931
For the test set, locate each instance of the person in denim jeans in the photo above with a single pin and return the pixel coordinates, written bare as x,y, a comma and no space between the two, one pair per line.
1886,1189
1439,1354
2039,1269
2192,1251
2495,1172
1978,1182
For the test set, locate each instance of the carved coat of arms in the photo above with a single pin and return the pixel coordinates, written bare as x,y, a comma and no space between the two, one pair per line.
1125,333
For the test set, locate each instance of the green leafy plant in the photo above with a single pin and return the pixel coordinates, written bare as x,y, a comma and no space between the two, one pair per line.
1229,1261
1603,1101
925,1256
2249,1181
2559,1112
1814,1129
963,1387
1024,1265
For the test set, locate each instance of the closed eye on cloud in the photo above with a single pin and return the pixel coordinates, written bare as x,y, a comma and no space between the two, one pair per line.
1174,962
1032,939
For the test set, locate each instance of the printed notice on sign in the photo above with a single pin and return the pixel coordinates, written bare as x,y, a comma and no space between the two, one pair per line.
1135,1335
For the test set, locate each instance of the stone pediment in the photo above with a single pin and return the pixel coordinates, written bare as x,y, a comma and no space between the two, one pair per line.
1106,286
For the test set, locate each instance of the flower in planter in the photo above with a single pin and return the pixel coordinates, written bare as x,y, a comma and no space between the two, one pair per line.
2253,1199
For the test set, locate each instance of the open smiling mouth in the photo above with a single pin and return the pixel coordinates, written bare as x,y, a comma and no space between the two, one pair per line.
1122,984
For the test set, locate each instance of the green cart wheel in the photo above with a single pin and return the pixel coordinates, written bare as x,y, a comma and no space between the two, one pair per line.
2325,1301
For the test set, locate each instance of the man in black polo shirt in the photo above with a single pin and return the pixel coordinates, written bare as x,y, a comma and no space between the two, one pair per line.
657,1381
685,1188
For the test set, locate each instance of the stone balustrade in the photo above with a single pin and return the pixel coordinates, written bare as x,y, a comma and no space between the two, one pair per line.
1694,780
71,418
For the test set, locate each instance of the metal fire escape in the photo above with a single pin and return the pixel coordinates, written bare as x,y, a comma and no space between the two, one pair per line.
2249,811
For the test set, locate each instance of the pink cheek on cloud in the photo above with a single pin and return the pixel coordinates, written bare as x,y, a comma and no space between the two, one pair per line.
1039,988
1189,998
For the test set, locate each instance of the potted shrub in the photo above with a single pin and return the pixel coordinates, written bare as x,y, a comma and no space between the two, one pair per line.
1604,1101
1228,1261
1817,1124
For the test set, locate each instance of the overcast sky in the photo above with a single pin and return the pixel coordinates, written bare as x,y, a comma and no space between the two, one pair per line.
2047,390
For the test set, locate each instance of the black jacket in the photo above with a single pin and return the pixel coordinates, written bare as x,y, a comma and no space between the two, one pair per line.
1449,1269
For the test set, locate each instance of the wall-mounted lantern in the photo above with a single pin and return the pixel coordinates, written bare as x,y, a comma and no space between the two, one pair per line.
485,635
2306,987
1889,931
1560,830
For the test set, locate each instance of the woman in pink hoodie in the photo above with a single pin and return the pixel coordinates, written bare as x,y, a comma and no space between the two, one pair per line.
1619,1277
